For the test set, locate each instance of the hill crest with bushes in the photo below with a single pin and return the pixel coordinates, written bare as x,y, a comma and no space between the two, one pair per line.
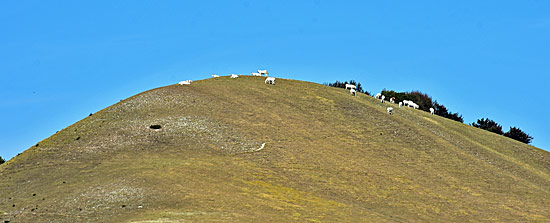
239,150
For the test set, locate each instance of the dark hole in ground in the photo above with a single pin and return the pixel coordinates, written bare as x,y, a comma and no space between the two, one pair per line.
155,126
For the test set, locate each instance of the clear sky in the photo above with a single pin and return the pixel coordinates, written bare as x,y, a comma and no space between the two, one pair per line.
62,60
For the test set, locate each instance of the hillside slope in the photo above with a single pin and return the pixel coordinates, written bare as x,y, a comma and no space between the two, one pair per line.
328,156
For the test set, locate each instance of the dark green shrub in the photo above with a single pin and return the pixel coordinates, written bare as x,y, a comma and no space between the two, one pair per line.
456,117
2,160
442,111
488,125
517,134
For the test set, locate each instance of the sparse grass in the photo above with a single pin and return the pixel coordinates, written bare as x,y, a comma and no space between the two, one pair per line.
328,157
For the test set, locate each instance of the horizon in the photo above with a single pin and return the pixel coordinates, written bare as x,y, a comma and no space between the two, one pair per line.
62,61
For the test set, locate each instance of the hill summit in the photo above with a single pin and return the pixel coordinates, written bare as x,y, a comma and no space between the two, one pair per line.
239,150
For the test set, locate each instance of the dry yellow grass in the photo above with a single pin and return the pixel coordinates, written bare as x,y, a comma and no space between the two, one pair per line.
328,157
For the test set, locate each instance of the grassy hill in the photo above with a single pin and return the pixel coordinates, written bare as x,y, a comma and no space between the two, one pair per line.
327,157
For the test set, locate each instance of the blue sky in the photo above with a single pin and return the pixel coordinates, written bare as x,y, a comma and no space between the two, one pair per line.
62,60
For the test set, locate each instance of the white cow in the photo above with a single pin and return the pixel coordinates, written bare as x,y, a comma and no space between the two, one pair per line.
234,76
413,105
400,104
378,96
262,72
410,104
213,75
350,86
390,110
187,82
270,80
256,74
352,92
432,110
392,100
382,98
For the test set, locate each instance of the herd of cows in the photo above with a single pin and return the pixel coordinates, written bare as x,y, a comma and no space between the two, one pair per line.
351,87
268,80
382,99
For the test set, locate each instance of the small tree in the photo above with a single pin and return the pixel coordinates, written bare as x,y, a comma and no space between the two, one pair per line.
442,111
517,134
455,116
488,125
2,160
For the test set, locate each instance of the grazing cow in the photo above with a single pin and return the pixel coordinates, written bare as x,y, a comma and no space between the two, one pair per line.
390,110
406,102
234,76
263,72
378,96
410,104
256,74
382,99
400,104
350,86
392,100
187,82
352,92
213,75
270,80
413,105
432,110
